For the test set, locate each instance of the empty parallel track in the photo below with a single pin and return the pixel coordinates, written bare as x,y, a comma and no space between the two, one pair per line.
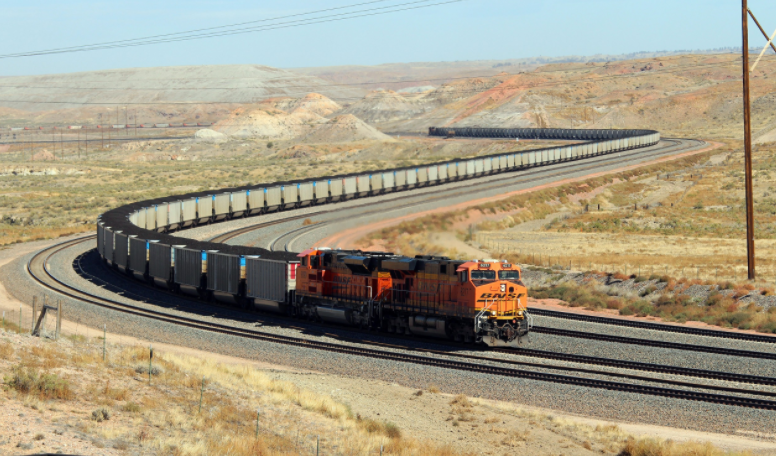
38,268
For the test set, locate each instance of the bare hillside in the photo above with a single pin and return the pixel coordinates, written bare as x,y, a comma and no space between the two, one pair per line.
689,95
188,84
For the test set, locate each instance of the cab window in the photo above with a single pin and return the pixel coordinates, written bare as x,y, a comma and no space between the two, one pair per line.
509,275
464,275
483,275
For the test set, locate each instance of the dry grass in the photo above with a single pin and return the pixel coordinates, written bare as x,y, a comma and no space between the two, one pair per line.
670,305
27,380
34,207
656,447
115,410
6,350
412,237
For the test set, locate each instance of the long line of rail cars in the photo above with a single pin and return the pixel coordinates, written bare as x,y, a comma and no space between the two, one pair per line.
113,126
481,301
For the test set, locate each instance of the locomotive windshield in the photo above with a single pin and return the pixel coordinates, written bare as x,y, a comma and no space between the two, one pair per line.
483,275
509,275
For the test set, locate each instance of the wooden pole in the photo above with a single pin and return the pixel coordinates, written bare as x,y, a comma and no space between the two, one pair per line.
747,144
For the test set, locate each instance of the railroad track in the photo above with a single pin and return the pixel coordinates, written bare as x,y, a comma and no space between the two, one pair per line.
653,343
39,270
278,243
532,175
655,326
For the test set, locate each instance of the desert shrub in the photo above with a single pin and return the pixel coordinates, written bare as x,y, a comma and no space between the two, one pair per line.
6,350
101,414
639,308
647,290
131,407
574,295
46,386
385,428
652,447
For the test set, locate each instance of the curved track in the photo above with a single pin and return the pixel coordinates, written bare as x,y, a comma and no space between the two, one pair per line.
287,241
38,268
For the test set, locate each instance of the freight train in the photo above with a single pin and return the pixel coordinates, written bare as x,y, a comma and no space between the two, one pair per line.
480,301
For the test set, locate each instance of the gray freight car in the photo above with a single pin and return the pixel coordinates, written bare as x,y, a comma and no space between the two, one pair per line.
205,209
290,196
189,213
269,284
256,201
306,193
160,264
190,267
239,202
273,198
350,187
224,276
174,215
138,257
362,185
336,190
321,191
222,207
121,251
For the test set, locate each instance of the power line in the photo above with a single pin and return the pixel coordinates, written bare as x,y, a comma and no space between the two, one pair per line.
282,25
71,48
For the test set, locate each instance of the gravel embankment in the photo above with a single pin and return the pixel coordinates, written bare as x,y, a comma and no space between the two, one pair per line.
604,404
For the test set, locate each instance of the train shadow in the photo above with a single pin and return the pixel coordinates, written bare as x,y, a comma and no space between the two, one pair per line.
129,291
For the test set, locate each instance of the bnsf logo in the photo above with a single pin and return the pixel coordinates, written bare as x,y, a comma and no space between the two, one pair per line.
500,296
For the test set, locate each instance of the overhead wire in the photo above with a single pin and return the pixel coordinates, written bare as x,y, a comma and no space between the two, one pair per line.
418,4
185,32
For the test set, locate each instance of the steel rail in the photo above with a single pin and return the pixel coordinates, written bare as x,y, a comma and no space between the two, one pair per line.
537,173
653,343
654,326
567,357
414,359
237,232
580,359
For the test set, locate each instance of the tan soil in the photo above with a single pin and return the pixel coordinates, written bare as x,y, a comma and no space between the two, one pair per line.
346,127
349,239
483,428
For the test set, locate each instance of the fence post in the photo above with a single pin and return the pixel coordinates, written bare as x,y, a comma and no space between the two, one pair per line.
104,341
20,319
258,411
201,392
35,311
59,318
150,362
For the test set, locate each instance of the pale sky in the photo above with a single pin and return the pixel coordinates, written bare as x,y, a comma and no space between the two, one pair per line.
469,30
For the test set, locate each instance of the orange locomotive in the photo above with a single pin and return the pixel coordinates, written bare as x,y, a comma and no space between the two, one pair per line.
472,301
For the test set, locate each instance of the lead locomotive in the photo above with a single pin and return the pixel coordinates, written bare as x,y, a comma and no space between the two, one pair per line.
470,301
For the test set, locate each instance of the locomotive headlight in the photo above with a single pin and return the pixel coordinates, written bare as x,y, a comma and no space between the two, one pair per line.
503,287
493,312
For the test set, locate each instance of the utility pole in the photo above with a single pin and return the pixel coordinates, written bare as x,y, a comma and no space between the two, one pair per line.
747,143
